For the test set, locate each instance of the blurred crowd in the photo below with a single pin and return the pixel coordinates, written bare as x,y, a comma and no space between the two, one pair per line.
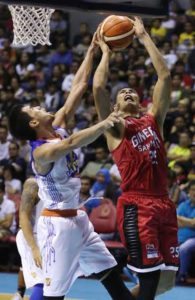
42,76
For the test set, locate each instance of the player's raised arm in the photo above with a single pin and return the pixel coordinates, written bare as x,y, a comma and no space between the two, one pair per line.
161,95
78,88
29,200
101,97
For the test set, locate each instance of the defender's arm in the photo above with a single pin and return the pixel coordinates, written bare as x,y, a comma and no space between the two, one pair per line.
78,88
48,153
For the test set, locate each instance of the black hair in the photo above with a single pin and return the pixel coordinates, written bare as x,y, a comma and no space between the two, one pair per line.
15,144
191,183
4,127
176,74
19,124
185,132
2,184
11,169
179,63
182,165
85,177
171,174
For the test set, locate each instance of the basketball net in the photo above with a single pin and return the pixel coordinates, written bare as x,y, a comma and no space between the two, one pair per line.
31,25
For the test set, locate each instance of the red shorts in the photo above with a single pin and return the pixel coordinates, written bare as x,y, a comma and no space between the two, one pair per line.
148,229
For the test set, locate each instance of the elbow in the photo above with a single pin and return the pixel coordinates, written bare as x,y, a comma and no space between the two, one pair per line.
72,142
80,87
84,85
99,90
76,140
165,74
97,87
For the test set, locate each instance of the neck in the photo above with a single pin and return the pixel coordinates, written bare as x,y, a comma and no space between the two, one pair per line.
46,133
133,115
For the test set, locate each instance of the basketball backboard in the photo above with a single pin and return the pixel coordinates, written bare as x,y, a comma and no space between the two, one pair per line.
140,7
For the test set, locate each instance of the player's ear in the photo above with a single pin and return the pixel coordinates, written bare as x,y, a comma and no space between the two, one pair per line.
34,123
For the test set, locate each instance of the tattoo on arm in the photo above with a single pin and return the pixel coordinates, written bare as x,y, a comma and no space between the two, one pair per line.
29,197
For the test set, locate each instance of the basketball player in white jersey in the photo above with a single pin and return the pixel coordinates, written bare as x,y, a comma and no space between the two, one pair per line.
68,243
26,239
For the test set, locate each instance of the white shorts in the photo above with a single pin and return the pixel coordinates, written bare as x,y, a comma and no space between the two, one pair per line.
70,248
32,274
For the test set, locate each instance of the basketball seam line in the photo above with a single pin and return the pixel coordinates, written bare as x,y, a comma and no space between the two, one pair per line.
118,37
106,20
113,26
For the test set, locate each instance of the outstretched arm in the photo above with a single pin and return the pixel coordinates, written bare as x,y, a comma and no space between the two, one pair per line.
161,95
101,97
48,153
78,88
29,200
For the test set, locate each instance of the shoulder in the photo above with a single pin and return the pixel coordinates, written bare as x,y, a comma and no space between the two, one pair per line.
61,131
149,117
37,143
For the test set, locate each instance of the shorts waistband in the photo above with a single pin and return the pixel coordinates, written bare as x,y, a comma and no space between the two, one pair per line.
144,195
66,213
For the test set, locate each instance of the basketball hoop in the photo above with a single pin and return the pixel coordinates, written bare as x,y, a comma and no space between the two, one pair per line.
31,25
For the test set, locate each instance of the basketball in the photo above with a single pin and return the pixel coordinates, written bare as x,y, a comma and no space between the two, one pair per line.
117,31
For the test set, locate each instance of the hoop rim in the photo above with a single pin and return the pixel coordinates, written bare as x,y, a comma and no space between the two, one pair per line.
157,8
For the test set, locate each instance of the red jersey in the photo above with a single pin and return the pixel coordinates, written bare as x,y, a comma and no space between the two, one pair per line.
141,157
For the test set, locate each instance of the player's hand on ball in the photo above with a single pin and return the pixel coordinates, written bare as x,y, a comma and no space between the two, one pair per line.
93,44
139,27
100,41
37,257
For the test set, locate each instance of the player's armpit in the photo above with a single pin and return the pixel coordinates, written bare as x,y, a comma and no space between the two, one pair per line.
102,102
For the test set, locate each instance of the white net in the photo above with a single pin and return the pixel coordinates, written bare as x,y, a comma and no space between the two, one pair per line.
31,25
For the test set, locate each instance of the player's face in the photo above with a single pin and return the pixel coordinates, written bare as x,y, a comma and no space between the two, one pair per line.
100,178
85,186
128,100
38,113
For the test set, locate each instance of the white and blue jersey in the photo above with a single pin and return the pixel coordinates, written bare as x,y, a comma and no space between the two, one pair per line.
59,188
35,215
69,246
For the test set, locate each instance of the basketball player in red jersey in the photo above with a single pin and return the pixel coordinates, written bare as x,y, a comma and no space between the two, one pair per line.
146,216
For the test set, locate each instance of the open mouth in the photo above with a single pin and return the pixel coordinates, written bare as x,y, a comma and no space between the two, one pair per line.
129,99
